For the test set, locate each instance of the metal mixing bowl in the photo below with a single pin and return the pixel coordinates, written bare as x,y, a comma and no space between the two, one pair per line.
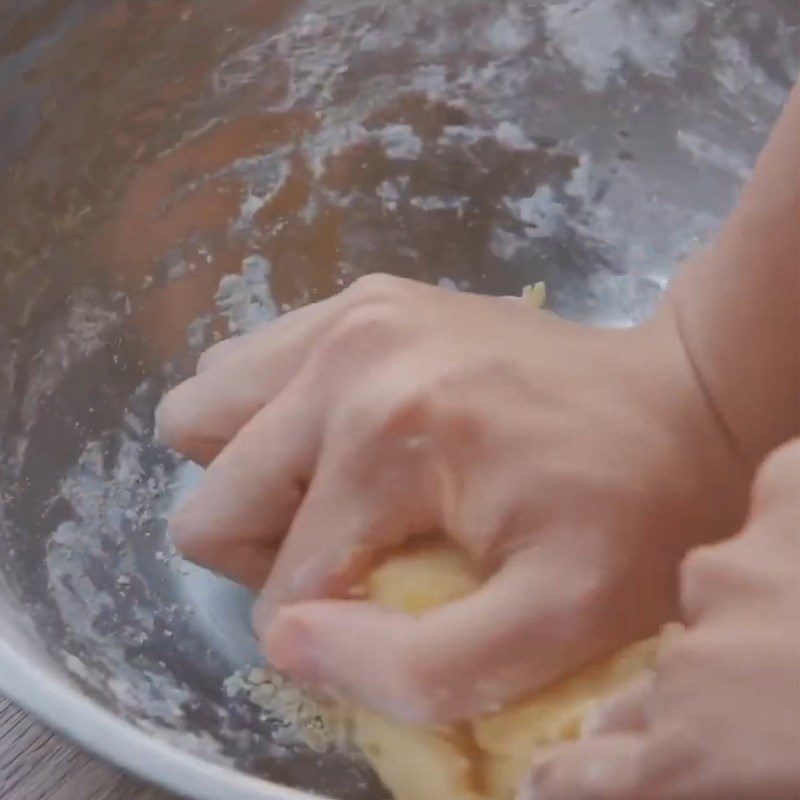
172,172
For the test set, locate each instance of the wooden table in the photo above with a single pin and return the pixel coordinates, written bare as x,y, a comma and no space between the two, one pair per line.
37,764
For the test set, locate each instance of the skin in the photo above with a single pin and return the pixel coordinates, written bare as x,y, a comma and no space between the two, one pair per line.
737,302
578,466
564,459
718,720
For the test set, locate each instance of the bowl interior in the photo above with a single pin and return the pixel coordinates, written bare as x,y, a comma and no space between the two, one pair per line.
173,173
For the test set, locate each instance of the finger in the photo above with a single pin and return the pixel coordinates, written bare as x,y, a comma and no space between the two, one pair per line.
602,768
246,563
201,415
337,533
374,287
235,518
246,344
522,629
227,348
624,712
367,495
234,380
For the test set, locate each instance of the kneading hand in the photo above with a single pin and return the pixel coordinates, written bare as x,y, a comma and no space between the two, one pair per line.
575,465
720,719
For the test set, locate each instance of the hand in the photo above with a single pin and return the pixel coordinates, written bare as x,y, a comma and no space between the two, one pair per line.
720,719
576,466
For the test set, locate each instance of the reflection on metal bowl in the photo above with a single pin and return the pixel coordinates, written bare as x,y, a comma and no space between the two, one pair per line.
174,172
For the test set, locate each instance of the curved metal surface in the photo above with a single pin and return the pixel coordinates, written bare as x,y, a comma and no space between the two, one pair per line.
173,172
109,737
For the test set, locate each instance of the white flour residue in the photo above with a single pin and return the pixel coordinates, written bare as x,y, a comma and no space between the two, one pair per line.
330,141
581,182
85,329
462,135
506,133
512,136
540,212
266,176
389,192
405,77
710,152
76,667
110,623
598,37
246,299
431,79
506,245
749,87
312,52
643,264
400,141
436,203
511,31
199,744
82,554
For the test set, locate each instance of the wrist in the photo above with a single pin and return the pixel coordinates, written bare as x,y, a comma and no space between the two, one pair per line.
703,458
742,345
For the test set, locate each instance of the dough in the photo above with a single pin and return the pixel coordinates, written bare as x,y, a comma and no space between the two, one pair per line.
487,758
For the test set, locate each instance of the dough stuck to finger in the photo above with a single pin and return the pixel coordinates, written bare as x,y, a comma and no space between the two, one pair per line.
489,757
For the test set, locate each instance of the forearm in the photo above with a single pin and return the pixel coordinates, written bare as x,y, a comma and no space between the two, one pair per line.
738,302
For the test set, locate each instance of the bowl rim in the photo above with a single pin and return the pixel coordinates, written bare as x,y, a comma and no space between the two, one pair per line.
88,724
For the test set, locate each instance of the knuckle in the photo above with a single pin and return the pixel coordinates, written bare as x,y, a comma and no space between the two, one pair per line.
375,286
363,321
364,326
214,354
408,412
697,564
182,424
460,425
429,401
390,420
173,425
673,659
393,434
703,573
778,474
422,687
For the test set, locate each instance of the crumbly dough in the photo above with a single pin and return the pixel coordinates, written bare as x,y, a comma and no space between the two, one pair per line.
487,758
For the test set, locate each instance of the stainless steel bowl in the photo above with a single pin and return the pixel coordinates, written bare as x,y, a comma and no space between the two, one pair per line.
173,172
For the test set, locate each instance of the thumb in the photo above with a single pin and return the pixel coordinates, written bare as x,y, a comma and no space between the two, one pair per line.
523,628
601,768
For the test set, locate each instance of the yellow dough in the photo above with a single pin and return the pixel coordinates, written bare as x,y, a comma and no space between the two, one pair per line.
487,758
415,763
